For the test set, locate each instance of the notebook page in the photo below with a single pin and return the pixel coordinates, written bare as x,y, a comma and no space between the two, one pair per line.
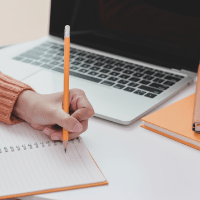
19,134
47,167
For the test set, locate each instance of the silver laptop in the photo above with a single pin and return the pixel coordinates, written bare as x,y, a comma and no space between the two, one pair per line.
128,59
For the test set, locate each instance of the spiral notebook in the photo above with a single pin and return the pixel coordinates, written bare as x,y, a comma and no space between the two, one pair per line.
31,164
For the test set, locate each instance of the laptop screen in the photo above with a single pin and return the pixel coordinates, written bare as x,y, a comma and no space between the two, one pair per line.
161,32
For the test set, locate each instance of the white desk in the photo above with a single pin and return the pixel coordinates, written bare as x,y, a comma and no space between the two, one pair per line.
138,164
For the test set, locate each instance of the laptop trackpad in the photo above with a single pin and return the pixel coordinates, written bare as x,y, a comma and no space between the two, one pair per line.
109,103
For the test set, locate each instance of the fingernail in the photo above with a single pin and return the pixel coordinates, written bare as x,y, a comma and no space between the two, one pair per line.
46,131
78,127
55,138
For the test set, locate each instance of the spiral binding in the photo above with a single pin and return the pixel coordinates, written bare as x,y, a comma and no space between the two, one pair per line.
36,145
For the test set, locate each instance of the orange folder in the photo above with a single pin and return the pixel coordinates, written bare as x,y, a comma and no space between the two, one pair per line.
175,122
196,116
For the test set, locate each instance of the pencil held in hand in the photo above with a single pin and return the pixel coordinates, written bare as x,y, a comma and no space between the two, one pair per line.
66,80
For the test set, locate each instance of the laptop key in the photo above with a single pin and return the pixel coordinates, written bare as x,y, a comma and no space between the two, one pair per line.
83,70
93,73
108,66
108,83
147,77
27,61
98,64
138,74
101,59
57,58
118,86
58,69
114,73
60,54
104,71
91,56
76,63
36,63
35,57
169,83
119,64
129,67
128,72
129,89
47,66
83,76
134,79
123,82
160,75
150,95
112,78
79,59
118,69
109,61
171,78
54,63
150,89
103,76
144,82
158,80
159,86
132,84
45,60
95,68
149,72
124,76
140,92
138,69
45,55
85,65
89,61
18,58
73,68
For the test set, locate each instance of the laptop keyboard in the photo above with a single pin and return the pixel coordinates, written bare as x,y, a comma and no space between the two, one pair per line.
132,78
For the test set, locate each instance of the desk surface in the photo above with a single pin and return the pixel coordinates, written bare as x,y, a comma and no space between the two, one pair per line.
138,164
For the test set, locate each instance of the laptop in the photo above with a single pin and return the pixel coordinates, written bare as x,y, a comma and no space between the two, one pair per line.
128,56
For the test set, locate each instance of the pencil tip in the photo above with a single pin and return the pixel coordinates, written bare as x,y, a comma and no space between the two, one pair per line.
65,150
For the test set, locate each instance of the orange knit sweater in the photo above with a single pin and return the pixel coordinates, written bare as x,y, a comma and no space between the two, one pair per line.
10,89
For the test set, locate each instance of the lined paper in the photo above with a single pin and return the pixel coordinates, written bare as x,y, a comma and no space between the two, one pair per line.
19,134
42,168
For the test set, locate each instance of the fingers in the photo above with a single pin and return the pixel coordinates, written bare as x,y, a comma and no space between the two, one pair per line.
66,121
57,134
80,105
76,134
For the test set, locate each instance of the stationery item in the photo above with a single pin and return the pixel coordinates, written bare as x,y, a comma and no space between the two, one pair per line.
31,164
66,80
196,116
175,121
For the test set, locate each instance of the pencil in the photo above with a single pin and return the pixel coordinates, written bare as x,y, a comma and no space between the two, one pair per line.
66,80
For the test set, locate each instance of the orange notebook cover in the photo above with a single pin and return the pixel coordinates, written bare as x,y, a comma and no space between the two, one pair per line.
30,164
175,122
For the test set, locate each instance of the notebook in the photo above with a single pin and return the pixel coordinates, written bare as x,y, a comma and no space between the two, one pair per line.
32,164
175,122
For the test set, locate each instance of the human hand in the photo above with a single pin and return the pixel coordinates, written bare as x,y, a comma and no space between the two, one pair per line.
45,112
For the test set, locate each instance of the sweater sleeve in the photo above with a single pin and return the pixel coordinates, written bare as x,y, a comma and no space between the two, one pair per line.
10,89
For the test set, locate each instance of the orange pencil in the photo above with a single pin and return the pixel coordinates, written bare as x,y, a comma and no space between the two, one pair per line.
66,80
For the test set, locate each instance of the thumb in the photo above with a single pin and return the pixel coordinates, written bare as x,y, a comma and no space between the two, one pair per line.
68,122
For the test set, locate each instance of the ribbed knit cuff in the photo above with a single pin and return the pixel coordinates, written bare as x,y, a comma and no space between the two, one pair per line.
10,89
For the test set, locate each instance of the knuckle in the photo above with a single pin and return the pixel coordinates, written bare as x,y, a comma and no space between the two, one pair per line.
91,112
79,91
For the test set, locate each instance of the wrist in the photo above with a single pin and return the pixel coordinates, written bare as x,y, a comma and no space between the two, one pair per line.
23,105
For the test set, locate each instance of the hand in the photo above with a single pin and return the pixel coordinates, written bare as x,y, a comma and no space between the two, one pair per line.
44,112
